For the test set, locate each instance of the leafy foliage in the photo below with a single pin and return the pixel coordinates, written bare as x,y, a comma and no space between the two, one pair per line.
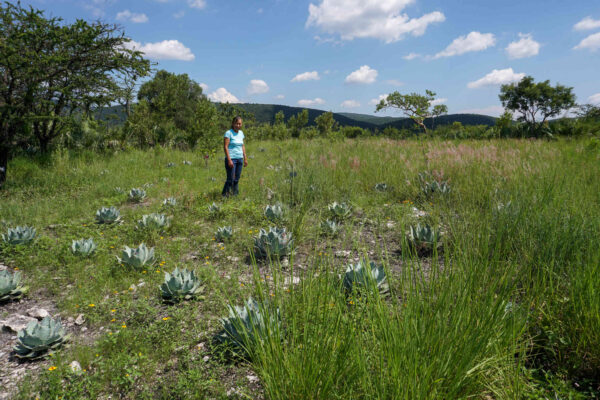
39,338
137,258
423,238
339,211
415,106
361,276
83,247
330,227
274,243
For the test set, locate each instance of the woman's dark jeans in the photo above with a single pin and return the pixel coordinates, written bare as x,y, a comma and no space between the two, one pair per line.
233,176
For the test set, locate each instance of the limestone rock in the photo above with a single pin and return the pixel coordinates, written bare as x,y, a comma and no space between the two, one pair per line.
16,322
37,313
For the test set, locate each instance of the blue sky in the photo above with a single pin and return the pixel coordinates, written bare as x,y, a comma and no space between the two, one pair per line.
343,55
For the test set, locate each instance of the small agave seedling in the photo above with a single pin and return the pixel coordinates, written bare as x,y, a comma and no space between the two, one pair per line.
137,258
381,187
248,325
224,233
274,213
214,209
430,185
275,243
186,162
169,202
137,195
119,190
154,221
39,338
83,247
339,211
424,238
19,235
170,165
10,288
108,215
180,285
330,228
360,276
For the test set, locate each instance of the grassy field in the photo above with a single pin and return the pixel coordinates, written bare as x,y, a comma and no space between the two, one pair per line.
507,307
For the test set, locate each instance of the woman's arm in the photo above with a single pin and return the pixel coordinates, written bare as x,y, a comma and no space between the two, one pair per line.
245,158
226,148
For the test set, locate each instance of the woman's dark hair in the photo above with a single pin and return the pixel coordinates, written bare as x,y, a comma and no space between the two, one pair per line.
237,117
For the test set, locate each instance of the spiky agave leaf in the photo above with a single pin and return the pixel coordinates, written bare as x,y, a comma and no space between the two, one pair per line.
275,243
154,221
19,235
274,213
83,247
39,338
330,227
10,288
137,258
180,285
361,276
339,211
169,202
136,195
424,238
224,233
108,215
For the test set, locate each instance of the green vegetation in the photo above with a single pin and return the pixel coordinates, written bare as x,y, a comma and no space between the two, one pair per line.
509,310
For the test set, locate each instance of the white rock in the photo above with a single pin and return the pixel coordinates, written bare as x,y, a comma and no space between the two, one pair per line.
418,213
3,267
16,322
141,284
79,320
252,378
206,358
37,313
75,367
342,253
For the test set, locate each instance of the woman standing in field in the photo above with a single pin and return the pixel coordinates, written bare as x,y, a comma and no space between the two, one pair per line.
235,156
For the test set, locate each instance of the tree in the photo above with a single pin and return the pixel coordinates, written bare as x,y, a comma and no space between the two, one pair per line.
438,110
50,71
325,123
297,122
415,106
532,99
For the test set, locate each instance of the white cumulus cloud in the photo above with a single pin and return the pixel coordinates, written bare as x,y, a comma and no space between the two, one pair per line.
306,76
439,101
378,99
497,77
591,42
221,95
199,4
204,87
165,50
127,15
524,47
586,24
494,111
379,19
594,99
257,86
309,102
280,97
350,104
364,74
474,41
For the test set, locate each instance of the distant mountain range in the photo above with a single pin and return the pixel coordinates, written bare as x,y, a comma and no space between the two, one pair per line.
115,115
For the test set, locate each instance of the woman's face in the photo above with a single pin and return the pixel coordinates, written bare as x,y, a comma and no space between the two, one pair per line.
237,125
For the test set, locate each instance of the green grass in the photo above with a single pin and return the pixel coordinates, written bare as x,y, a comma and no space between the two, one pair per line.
508,308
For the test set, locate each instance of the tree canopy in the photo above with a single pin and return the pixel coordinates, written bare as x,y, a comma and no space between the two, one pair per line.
414,105
50,70
534,100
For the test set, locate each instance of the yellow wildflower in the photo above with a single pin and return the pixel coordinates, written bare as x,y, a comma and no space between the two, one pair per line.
166,318
91,305
52,368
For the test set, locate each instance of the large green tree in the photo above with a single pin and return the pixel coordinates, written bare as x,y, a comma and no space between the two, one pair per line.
536,102
50,71
414,105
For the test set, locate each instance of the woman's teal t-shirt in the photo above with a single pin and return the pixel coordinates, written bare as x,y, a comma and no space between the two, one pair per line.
236,141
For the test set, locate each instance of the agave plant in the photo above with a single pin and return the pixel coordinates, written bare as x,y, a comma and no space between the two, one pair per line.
119,190
83,247
180,285
10,288
154,221
39,338
224,233
169,202
249,325
362,275
381,187
186,162
108,215
137,195
137,258
19,235
214,209
339,211
274,213
424,238
330,228
275,243
430,185
170,165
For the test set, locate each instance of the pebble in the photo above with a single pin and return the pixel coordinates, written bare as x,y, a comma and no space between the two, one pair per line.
16,322
75,367
37,313
79,320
